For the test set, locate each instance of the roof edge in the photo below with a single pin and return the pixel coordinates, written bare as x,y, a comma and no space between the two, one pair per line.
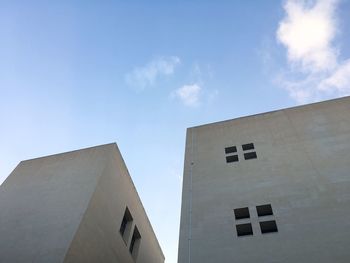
72,151
269,112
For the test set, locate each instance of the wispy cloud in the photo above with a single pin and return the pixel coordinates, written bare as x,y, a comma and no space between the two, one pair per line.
146,76
339,80
308,33
196,92
189,94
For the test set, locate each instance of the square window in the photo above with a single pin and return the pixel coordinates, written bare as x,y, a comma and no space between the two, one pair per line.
248,146
264,210
232,158
244,229
251,155
231,149
241,213
268,226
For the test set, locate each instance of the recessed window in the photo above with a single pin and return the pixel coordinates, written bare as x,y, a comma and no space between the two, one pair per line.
231,149
232,158
268,226
241,213
125,226
251,155
264,210
244,229
135,243
248,146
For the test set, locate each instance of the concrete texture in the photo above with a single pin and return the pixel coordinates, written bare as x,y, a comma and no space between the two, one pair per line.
302,169
69,207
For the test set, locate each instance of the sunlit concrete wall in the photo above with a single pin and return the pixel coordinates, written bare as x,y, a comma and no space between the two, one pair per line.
302,169
69,207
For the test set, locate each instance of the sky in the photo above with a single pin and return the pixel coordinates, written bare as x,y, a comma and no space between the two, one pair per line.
75,74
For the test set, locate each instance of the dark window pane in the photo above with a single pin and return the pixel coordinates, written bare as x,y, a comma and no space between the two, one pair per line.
232,158
248,146
127,219
135,243
248,156
244,229
123,226
231,149
264,210
241,213
268,227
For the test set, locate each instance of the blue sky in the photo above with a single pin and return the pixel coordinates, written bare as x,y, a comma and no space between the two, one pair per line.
75,74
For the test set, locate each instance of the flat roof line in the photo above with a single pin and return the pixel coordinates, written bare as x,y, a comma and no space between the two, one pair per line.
78,150
272,111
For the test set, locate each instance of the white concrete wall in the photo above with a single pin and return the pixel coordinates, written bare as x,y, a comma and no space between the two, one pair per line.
302,169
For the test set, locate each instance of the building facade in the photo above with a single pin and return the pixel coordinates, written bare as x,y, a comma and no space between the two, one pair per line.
272,187
80,206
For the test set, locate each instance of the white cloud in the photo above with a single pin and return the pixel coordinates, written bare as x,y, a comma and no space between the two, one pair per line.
189,94
142,77
308,33
196,93
339,80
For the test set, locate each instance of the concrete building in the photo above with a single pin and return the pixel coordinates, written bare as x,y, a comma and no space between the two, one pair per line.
79,206
272,187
